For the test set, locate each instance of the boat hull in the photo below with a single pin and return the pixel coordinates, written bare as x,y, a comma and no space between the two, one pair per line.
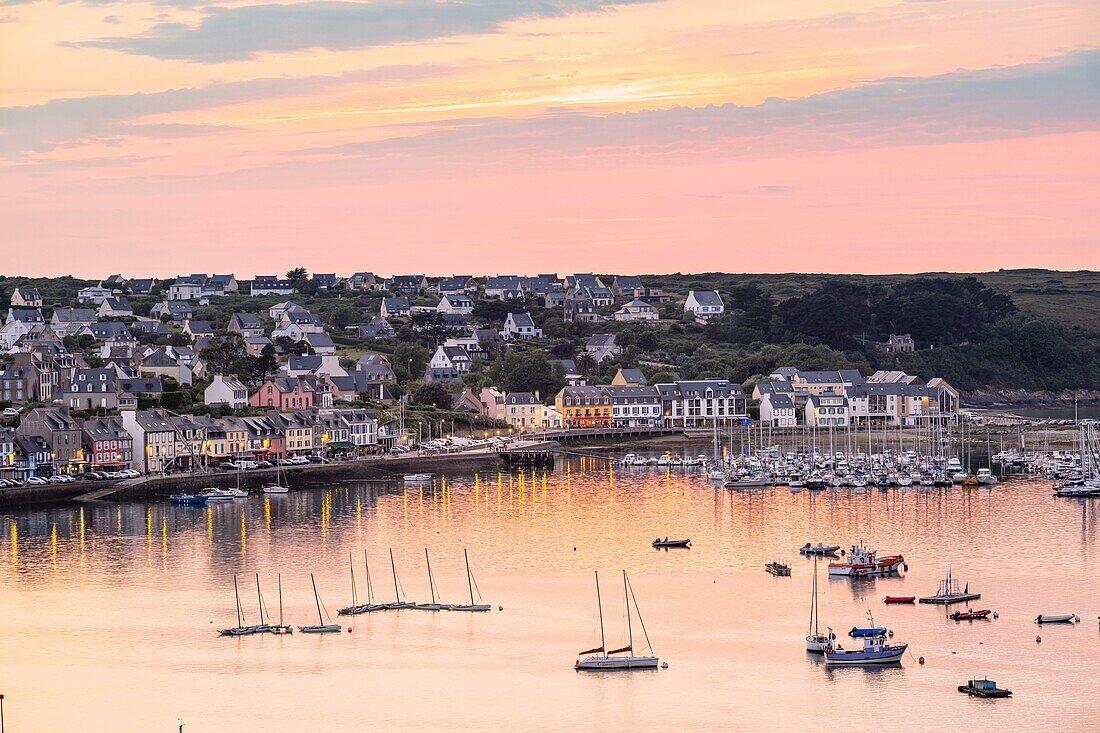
275,490
1064,618
615,664
899,599
325,629
473,608
885,566
861,657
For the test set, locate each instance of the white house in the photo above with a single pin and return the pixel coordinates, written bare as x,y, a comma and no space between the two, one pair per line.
635,406
704,305
637,310
460,304
777,409
521,326
226,391
702,403
450,358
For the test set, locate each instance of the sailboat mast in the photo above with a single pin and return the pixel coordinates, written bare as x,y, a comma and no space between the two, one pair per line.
599,605
629,630
237,595
259,599
396,593
431,584
354,598
469,580
280,599
317,600
366,566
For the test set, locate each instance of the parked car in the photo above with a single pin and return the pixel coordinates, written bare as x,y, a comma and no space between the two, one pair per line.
317,459
37,481
129,473
11,411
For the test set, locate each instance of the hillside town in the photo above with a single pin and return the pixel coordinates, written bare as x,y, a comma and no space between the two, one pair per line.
132,376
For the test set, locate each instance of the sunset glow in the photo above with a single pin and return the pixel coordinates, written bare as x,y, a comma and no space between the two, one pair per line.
514,135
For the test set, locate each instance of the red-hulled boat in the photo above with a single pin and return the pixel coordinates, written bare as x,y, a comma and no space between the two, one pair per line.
862,562
969,615
899,599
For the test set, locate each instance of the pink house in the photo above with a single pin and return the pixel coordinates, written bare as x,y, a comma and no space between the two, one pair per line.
283,393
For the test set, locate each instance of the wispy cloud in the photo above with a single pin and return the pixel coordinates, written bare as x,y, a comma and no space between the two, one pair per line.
241,32
60,122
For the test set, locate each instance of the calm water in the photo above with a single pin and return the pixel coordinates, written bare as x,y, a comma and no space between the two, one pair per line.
108,611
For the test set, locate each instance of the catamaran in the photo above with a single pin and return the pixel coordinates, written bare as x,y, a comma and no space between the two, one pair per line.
602,659
280,628
321,627
398,603
435,605
816,641
240,629
471,606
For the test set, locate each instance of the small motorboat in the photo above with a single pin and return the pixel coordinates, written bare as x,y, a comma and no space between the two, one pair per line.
666,542
1061,618
969,615
899,599
186,499
218,495
778,569
818,549
417,478
275,489
984,688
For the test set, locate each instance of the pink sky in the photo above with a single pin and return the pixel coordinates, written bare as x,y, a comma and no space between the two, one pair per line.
520,136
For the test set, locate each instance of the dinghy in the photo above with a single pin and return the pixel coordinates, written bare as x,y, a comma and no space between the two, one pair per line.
1060,618
969,615
471,606
899,599
666,542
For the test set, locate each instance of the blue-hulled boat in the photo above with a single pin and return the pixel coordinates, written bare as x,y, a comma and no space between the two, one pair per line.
188,499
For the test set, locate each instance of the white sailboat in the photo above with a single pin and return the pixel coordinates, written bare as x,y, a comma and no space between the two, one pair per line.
321,627
602,659
356,607
240,629
279,487
398,603
435,605
816,641
471,606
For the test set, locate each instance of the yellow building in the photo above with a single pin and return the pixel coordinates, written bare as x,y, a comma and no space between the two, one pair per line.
584,407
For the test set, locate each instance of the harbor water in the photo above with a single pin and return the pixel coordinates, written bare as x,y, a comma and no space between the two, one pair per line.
109,610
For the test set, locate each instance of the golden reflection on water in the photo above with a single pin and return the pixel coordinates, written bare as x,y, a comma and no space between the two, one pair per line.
732,633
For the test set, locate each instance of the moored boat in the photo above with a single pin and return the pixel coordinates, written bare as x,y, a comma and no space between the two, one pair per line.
899,599
818,549
817,642
321,627
862,562
876,650
417,478
778,569
948,593
666,542
984,688
601,659
1057,618
969,615
185,499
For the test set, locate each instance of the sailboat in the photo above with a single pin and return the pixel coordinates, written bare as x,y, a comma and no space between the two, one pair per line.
357,608
240,629
471,584
279,487
815,640
280,628
263,627
602,659
398,603
321,627
435,605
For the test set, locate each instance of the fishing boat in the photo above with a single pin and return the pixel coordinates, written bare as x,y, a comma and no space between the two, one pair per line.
435,605
280,628
899,599
398,602
948,593
666,542
417,478
816,641
778,569
185,499
862,562
240,629
984,688
969,615
321,627
1059,618
876,649
601,659
472,585
818,549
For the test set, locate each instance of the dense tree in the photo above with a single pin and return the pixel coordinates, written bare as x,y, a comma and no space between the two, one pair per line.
434,394
529,371
411,359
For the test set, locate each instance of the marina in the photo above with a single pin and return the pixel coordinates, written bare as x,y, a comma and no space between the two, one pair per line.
521,529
